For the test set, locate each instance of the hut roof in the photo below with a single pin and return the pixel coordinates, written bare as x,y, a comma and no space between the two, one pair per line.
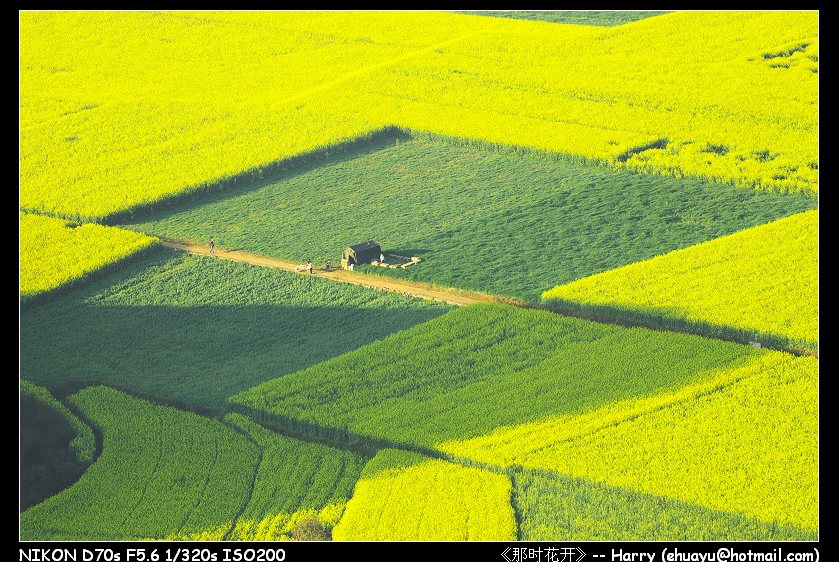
365,246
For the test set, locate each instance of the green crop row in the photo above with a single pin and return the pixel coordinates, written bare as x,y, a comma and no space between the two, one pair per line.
168,474
477,368
295,480
196,330
162,472
492,219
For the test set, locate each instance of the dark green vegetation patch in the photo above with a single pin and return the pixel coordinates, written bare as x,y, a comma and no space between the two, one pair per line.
194,330
481,367
508,222
55,445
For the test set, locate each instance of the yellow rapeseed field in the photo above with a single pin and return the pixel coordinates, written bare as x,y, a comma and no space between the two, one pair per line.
698,83
120,110
427,499
123,109
53,253
745,441
762,282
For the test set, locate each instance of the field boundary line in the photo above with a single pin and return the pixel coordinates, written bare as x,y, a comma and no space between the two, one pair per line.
448,295
202,493
324,86
252,489
457,297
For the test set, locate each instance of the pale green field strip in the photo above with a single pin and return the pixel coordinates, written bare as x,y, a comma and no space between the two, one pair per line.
465,373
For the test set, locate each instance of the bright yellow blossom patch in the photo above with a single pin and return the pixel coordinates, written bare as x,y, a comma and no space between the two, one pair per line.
54,253
425,499
762,282
745,442
120,110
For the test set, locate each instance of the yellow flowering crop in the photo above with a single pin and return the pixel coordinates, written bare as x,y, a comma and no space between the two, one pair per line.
704,104
761,282
53,252
417,498
119,110
743,442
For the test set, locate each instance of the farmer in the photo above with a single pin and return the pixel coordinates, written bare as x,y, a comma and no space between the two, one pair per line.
328,265
212,247
309,266
381,258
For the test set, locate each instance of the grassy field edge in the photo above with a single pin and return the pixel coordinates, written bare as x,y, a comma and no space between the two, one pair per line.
614,314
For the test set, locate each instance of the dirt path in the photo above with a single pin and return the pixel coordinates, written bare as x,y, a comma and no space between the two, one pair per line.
457,297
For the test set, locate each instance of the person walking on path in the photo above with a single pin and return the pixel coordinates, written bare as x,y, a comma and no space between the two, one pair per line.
309,267
212,247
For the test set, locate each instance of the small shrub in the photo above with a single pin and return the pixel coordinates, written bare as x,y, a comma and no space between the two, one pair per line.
309,529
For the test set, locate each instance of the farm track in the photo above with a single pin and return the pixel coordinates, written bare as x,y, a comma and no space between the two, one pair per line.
456,297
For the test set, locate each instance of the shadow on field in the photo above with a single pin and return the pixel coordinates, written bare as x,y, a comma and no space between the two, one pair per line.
47,463
552,506
196,355
271,173
192,331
